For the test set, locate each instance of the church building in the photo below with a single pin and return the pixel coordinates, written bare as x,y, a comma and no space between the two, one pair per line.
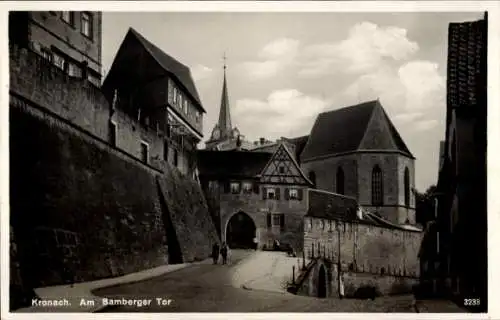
356,151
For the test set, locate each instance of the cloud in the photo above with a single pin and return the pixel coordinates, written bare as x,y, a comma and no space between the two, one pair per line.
286,112
274,57
425,125
200,72
405,118
366,47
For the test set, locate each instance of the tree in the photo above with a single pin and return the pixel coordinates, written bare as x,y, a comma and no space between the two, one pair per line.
425,204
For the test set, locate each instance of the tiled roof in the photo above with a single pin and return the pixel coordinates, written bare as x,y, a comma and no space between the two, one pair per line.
332,206
327,205
231,164
171,65
300,143
342,130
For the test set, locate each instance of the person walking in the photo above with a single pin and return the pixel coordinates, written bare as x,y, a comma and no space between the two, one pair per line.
256,243
341,285
223,253
215,252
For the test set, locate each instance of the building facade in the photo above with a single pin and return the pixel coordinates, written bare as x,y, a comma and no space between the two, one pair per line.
158,97
256,195
71,40
357,152
457,247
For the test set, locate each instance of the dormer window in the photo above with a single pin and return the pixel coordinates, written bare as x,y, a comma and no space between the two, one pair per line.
293,194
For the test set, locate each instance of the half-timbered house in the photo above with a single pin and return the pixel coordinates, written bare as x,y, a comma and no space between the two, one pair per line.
255,196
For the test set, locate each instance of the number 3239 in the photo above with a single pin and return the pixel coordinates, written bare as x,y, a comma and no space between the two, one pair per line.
472,302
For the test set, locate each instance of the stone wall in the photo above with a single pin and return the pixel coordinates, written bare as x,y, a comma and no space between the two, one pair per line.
358,181
257,208
189,213
83,104
365,247
80,209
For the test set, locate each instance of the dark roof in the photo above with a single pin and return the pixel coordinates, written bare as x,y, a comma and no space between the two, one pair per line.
300,143
171,65
342,130
327,205
332,206
232,163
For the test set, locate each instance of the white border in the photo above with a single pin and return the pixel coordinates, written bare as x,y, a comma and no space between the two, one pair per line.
272,6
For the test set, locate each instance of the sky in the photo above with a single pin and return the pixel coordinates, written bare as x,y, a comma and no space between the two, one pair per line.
283,69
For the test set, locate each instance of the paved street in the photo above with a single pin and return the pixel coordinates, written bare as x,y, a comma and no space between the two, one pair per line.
212,288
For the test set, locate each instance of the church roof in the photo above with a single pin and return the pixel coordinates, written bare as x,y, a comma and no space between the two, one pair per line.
300,143
342,130
181,72
232,164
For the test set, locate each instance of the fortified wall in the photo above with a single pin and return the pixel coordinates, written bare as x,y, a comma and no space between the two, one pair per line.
81,208
370,254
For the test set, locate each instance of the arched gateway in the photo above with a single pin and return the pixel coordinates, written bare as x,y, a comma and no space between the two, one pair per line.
240,231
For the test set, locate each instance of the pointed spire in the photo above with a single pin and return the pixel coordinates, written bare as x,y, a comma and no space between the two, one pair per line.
224,114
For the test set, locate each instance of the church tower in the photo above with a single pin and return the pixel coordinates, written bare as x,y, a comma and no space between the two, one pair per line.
224,136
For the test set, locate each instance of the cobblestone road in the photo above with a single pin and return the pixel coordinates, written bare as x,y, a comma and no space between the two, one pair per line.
210,288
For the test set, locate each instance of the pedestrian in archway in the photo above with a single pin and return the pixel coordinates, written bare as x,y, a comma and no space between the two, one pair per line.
256,243
223,253
215,252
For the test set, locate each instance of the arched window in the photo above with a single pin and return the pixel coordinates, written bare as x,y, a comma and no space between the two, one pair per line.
312,177
377,187
340,181
407,187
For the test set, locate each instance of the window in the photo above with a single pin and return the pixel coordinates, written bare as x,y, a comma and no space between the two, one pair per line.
180,100
73,70
47,54
407,187
87,24
165,150
185,106
312,177
271,193
68,17
293,194
309,224
340,181
247,187
58,61
174,96
377,187
235,187
197,115
322,224
112,133
278,220
281,169
144,152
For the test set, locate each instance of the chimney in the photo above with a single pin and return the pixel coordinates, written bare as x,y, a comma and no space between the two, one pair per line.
262,141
